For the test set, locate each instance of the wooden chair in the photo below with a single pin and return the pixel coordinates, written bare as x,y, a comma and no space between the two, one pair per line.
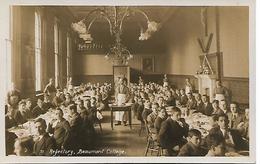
142,128
99,123
152,143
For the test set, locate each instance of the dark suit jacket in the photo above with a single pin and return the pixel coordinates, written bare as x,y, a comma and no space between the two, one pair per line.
158,123
207,109
74,140
190,150
234,122
43,146
140,110
19,119
88,130
145,113
60,132
10,122
177,97
171,133
218,112
199,107
134,107
9,142
171,101
191,104
183,100
150,122
240,143
47,105
38,111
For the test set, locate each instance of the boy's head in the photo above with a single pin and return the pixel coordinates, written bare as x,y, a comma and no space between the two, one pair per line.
198,97
147,104
58,114
223,105
39,102
162,113
87,103
216,145
72,109
223,121
155,107
205,98
175,113
28,103
160,100
41,126
234,107
195,137
215,104
213,120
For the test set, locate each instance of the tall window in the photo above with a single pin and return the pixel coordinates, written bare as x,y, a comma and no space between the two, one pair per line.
68,56
37,51
8,49
56,52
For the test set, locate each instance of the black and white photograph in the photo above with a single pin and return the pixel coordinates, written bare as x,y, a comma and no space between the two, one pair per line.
112,80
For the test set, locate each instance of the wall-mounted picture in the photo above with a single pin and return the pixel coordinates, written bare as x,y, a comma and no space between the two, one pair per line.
148,64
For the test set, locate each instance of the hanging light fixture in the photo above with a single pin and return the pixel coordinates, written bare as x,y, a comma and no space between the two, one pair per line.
115,16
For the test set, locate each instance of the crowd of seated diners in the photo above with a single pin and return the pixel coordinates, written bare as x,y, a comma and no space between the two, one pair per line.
84,105
159,107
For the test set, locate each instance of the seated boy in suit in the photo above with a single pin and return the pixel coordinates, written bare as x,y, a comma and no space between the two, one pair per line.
231,137
162,116
207,106
38,109
59,127
216,110
216,146
191,103
199,103
44,144
147,110
213,121
151,117
192,147
234,117
172,132
183,98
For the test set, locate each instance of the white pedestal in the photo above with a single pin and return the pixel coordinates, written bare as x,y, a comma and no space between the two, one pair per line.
206,85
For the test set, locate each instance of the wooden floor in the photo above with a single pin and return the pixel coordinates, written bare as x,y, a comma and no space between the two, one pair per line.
122,141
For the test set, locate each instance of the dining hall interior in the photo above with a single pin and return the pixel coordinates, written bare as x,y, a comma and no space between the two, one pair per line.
126,81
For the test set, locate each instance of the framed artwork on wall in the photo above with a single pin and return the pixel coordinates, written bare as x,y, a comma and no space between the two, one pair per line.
148,64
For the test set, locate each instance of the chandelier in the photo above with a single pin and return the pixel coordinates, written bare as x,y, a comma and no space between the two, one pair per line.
115,16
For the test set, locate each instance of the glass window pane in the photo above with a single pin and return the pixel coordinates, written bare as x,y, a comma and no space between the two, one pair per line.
37,51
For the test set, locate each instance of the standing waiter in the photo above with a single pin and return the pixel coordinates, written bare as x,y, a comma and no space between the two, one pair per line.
221,92
122,96
50,89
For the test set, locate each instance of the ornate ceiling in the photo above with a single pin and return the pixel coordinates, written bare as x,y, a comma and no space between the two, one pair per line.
131,30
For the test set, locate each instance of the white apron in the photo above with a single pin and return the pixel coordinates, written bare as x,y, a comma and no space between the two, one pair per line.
121,99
